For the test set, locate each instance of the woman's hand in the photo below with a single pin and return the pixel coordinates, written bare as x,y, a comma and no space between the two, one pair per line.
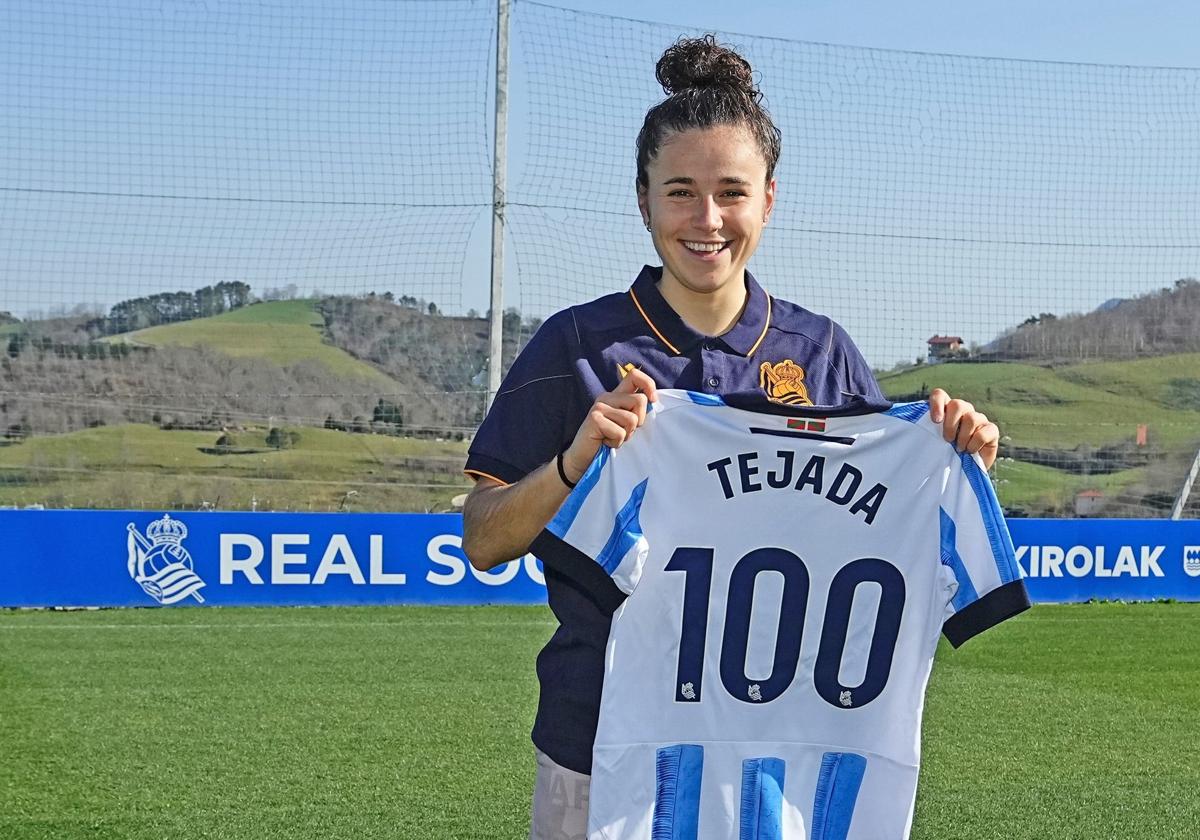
968,429
612,419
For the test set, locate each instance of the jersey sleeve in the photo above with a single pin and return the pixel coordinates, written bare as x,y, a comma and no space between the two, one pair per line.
596,536
538,399
980,572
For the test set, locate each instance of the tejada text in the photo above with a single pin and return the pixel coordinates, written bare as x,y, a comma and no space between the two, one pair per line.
742,473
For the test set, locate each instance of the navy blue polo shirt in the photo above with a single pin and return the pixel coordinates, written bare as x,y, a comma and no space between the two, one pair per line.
793,356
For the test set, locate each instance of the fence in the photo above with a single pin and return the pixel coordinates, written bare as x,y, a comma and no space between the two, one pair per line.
246,250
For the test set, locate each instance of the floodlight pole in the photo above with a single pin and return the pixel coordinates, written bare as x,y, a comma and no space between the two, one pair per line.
499,183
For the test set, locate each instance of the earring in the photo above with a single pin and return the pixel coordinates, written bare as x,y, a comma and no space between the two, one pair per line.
648,228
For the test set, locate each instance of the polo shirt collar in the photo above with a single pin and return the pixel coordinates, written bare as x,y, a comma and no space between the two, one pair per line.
664,322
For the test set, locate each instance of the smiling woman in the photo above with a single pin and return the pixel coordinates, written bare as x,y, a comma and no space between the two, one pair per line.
706,203
706,159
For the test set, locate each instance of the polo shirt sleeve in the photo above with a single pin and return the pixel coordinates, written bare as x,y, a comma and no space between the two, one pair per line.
538,399
856,375
981,578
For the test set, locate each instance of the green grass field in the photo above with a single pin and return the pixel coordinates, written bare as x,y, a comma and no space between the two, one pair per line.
1067,722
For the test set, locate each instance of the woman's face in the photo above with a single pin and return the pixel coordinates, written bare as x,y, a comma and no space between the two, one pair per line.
706,203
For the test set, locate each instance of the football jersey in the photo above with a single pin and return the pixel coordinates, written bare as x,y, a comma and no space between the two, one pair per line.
788,573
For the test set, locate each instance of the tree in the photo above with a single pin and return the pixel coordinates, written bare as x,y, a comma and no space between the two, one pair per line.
390,413
282,438
511,322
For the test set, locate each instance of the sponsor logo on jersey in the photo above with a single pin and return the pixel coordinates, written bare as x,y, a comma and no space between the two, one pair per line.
160,564
783,382
1191,560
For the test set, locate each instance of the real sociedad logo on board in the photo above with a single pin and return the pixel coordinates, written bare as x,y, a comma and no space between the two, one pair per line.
1191,560
160,564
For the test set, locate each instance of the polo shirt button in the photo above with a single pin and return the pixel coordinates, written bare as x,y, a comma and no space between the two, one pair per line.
713,381
710,345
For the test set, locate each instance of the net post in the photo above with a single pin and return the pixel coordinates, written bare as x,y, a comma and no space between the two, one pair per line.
499,182
1181,500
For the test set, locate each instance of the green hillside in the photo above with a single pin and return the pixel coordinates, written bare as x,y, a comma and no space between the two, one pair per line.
1097,403
142,466
1041,489
1066,408
284,332
1059,426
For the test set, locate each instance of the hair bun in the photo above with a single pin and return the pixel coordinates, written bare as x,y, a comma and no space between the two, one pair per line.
702,62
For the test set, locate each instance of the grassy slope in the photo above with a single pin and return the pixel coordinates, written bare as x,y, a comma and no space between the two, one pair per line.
1037,487
1097,403
283,332
143,466
1070,722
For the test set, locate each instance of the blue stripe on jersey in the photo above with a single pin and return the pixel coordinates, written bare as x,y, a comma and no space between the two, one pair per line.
762,799
912,412
562,521
837,791
704,399
627,530
677,771
966,593
993,522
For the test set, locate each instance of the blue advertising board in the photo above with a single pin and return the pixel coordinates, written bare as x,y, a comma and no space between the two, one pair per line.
1108,559
136,558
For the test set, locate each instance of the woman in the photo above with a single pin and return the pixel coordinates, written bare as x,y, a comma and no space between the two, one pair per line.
706,157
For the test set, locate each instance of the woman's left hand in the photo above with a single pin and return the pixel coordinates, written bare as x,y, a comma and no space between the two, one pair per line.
968,429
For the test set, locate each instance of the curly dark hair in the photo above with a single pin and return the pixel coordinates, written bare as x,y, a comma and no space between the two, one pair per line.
706,85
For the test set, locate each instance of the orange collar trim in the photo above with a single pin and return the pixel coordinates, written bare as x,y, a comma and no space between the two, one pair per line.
766,326
661,337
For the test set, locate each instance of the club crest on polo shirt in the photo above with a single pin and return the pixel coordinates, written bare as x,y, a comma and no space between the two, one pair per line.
783,382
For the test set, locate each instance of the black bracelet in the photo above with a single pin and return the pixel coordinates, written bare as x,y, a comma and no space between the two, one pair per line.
563,473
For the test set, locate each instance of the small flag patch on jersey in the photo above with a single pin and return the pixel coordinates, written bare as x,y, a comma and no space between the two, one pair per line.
806,425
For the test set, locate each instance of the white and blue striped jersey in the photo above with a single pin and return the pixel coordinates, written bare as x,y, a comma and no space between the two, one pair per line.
788,573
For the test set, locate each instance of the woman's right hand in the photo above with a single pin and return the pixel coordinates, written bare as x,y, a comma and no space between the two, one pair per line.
612,419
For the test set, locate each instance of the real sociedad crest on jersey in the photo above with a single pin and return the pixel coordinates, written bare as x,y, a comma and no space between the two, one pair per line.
160,564
783,382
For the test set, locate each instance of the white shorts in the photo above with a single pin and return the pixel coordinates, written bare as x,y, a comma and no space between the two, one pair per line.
560,802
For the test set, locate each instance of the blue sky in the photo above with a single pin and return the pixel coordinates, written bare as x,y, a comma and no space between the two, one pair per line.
167,144
1149,32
